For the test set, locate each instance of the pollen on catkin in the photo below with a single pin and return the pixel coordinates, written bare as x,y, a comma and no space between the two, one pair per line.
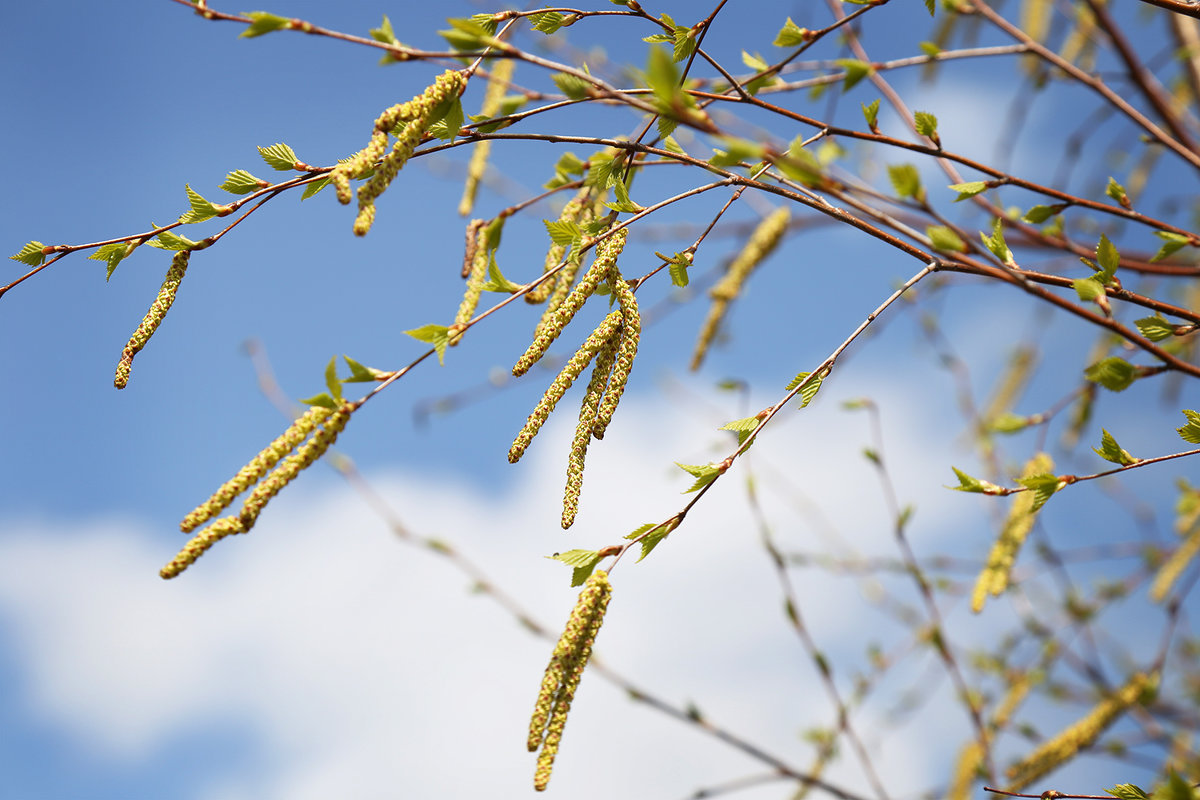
502,71
480,257
578,210
154,317
764,239
606,255
599,382
564,672
1063,746
199,544
258,466
631,331
562,382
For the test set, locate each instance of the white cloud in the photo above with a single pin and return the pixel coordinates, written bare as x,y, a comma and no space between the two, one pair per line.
366,669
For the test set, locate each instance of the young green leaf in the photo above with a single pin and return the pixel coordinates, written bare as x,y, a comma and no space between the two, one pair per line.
1043,487
242,182
1109,450
929,48
1191,431
1009,422
1173,242
314,187
703,473
201,209
926,124
684,43
584,561
1117,192
322,400
871,115
30,254
360,373
263,22
1088,289
736,151
496,281
623,203
809,391
1108,258
945,239
112,255
574,87
468,34
279,157
754,62
742,427
168,240
791,35
650,535
968,484
1039,214
930,5
1155,328
449,123
384,32
906,181
436,335
547,22
1114,374
855,69
678,267
968,189
331,379
1127,791
995,243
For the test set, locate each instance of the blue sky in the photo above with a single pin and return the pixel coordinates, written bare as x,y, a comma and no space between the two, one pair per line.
321,657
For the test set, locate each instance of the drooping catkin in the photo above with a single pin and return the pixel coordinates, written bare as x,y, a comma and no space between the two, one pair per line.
966,771
1068,742
1174,566
599,382
631,332
318,441
258,466
415,116
606,255
564,672
764,239
502,71
154,317
577,210
480,257
562,382
993,579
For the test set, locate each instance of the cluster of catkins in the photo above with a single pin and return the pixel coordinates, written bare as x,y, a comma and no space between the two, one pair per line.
612,345
408,122
309,437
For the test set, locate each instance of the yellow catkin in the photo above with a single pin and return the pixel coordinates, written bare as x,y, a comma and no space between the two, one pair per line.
588,409
631,332
199,544
154,317
765,239
258,466
480,258
472,242
606,255
570,371
501,76
966,771
564,672
415,116
1174,566
994,578
1017,691
1067,743
578,210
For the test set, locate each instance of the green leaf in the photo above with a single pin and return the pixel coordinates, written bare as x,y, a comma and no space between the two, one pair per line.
930,4
684,43
569,163
468,34
791,35
547,22
584,561
263,22
1108,258
436,335
564,233
926,123
968,484
678,267
331,379
906,181
314,187
855,69
996,244
168,240
1191,431
754,62
242,182
1088,288
800,165
929,48
1039,214
1117,192
112,254
279,156
30,254
574,87
322,400
1127,791
650,535
1043,486
809,391
1109,450
1155,328
1174,241
1176,788
1009,422
736,151
384,32
871,113
968,189
742,427
623,203
360,373
201,209
448,126
945,239
496,281
703,473
1114,374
